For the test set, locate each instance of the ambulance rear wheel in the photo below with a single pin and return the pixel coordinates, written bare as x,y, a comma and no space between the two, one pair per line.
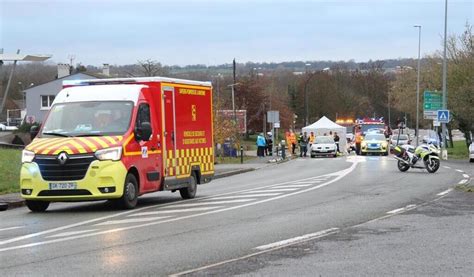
129,198
190,191
37,206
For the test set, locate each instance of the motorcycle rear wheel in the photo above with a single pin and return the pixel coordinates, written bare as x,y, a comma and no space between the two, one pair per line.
432,166
402,166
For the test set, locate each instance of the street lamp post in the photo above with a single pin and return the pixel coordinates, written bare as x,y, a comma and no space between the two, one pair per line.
233,101
306,96
15,58
445,92
418,86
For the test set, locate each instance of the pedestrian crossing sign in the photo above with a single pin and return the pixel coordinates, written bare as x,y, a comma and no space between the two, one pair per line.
443,116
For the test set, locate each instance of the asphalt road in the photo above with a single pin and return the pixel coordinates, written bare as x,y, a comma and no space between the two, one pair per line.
233,225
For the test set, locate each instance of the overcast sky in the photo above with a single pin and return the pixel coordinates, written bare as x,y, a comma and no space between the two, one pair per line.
214,32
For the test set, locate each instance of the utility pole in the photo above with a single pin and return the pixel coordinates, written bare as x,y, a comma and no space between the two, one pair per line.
5,95
444,153
417,130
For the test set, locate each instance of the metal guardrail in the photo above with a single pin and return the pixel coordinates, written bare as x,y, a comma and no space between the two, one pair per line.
11,146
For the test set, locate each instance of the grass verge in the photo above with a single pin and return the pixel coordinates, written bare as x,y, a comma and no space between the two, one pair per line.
459,151
10,164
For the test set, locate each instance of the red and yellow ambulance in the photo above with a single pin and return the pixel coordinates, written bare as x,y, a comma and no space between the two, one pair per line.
116,139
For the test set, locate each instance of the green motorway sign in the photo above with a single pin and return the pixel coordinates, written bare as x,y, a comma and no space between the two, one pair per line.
432,102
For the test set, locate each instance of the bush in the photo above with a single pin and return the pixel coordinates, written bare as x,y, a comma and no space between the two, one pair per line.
25,127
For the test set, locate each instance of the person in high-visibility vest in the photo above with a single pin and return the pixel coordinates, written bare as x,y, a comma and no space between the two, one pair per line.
311,139
358,140
293,142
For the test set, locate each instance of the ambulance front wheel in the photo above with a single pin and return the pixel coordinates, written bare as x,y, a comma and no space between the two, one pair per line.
190,191
129,198
37,206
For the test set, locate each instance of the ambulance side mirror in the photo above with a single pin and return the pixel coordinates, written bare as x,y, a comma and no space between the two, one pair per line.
34,131
143,132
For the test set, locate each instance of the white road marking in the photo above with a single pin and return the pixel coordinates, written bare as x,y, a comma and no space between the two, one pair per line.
339,175
293,186
12,228
465,176
459,170
462,182
270,190
444,192
269,250
72,233
245,196
311,182
406,208
131,220
212,203
66,227
396,211
201,209
447,167
298,239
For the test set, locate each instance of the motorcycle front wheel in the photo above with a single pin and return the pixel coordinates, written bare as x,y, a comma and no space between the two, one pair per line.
432,165
402,166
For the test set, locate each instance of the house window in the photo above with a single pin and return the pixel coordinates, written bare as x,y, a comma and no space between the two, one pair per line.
46,101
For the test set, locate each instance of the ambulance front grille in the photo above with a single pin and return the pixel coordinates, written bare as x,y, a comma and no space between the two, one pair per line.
74,169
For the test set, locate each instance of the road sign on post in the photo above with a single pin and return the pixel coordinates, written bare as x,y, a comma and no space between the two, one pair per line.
443,116
432,102
273,116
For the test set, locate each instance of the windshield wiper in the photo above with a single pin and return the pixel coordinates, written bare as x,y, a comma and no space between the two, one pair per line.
55,134
89,135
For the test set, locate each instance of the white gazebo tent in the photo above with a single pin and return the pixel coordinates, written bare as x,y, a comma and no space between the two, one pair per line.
323,126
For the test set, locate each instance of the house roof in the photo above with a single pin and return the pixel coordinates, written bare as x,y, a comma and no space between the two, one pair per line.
90,74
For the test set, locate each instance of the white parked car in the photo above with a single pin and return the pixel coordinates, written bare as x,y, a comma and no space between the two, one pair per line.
402,140
3,127
471,152
323,146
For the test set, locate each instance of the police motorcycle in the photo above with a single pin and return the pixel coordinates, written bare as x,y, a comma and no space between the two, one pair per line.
408,156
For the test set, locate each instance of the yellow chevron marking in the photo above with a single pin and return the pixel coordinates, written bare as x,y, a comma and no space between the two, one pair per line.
110,139
46,144
63,149
88,143
80,148
99,141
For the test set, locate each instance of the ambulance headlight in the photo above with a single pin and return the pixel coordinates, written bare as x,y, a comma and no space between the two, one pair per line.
384,144
109,154
27,156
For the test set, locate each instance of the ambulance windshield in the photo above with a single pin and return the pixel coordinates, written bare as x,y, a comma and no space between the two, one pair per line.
88,119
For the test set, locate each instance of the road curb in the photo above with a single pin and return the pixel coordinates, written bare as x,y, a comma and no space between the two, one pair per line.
12,204
233,172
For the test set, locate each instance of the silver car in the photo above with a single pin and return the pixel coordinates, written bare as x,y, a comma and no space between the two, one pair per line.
323,146
471,152
402,140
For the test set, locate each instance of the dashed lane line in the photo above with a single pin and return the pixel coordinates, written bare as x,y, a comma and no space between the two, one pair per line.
465,176
459,170
298,239
444,192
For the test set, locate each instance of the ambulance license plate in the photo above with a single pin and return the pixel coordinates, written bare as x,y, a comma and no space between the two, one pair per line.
55,186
